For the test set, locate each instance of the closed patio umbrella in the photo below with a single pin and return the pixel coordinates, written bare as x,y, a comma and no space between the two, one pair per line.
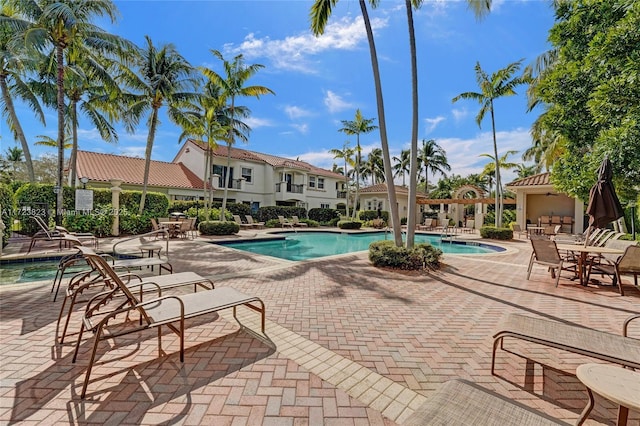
604,206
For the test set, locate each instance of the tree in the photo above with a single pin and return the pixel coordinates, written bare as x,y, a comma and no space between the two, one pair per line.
346,154
499,84
374,166
320,13
401,167
355,127
233,85
14,62
165,77
58,25
523,170
489,170
432,157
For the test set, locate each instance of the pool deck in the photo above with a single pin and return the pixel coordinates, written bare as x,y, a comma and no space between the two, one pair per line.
347,344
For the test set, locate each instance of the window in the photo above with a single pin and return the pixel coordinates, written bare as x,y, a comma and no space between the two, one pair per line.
312,181
320,183
222,172
324,206
246,174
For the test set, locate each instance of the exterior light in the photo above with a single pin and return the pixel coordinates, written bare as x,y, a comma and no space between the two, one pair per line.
84,181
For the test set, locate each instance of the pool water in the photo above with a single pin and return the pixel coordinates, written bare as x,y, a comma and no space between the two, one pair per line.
33,271
311,245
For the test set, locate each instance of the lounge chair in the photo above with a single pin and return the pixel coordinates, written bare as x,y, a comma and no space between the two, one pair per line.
517,229
459,402
296,222
46,234
237,219
597,344
285,222
615,266
127,256
545,252
250,221
170,310
426,225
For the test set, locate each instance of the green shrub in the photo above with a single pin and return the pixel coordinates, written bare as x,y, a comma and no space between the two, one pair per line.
366,215
272,212
421,256
273,223
348,224
8,208
494,233
323,215
334,221
310,223
216,227
98,224
134,223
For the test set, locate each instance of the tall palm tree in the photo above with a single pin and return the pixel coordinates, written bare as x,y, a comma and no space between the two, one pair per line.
523,170
374,166
402,164
489,170
57,25
165,77
337,169
233,84
346,154
356,127
546,148
432,157
499,84
14,63
320,13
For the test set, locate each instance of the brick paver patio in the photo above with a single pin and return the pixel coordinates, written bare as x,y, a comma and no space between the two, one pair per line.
348,344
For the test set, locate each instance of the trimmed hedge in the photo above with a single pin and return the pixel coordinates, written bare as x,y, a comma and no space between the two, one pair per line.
348,224
97,224
494,233
421,256
6,203
366,215
216,227
323,215
272,212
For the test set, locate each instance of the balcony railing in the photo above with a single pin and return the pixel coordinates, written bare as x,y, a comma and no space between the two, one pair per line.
289,187
233,183
341,194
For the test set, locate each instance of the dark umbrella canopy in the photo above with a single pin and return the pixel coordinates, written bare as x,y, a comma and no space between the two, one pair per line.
604,206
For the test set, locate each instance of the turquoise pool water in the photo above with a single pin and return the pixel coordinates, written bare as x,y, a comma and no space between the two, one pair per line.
311,245
13,273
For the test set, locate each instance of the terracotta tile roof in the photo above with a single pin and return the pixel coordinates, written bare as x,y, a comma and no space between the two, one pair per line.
272,160
382,188
104,167
535,180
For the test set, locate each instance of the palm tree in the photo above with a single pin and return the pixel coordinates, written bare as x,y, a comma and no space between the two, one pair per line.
58,25
432,156
236,74
320,13
489,170
355,127
374,166
523,170
346,154
337,169
165,77
501,83
402,164
13,65
546,148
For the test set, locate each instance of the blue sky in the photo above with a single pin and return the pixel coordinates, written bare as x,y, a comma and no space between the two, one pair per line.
320,81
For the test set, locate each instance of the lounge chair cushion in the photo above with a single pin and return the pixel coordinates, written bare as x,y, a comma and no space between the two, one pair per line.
458,402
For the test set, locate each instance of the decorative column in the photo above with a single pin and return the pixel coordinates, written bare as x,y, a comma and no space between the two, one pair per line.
115,205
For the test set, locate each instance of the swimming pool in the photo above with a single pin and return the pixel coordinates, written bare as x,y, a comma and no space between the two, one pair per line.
23,272
311,245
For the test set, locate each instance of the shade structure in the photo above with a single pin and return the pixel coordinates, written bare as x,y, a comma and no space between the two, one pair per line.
604,206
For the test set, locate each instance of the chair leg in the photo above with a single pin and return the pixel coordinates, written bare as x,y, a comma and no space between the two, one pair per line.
530,266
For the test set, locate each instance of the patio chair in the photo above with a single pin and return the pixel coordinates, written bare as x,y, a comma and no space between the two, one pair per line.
517,229
427,225
169,310
545,252
185,227
459,402
46,234
296,222
616,265
469,226
239,222
82,236
250,221
285,222
618,349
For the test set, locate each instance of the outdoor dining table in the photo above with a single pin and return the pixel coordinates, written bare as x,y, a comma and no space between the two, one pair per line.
535,229
584,251
172,226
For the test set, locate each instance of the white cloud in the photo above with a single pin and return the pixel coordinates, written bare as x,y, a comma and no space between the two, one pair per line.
432,123
335,103
294,112
132,151
255,122
459,114
323,159
294,52
302,128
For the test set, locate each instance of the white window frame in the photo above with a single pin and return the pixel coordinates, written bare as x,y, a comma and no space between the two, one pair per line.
248,178
312,182
320,183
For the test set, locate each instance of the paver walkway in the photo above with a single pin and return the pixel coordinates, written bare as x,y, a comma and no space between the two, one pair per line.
347,344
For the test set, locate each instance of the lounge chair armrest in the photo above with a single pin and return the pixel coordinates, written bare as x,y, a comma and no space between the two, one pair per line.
625,325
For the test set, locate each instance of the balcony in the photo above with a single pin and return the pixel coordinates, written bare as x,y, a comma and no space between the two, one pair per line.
235,184
341,194
289,191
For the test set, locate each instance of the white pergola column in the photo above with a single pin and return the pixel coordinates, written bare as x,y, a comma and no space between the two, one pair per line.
115,204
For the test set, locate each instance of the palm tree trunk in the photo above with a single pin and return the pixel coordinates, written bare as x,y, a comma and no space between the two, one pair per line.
228,175
498,221
358,160
346,185
74,148
207,156
60,107
147,157
413,162
17,128
388,172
